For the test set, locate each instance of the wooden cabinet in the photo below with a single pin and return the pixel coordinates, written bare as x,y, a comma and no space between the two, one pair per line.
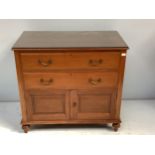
70,77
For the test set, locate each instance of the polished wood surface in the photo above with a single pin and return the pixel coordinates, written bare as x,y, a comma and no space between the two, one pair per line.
71,60
79,84
47,105
76,80
69,39
95,104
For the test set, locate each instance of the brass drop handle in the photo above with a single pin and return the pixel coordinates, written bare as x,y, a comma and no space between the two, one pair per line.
95,62
94,81
45,64
46,82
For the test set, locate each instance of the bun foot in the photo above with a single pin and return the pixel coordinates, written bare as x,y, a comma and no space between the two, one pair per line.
115,126
26,128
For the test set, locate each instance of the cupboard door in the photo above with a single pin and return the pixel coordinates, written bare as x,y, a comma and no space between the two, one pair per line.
47,105
93,104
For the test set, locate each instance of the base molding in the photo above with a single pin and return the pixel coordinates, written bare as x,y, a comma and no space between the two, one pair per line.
115,123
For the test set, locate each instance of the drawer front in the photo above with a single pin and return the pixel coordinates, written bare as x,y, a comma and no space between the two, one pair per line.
70,80
61,61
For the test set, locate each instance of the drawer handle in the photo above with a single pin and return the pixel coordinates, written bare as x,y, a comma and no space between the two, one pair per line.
46,82
95,62
45,64
94,81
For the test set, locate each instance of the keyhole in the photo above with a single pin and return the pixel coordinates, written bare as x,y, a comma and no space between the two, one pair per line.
74,104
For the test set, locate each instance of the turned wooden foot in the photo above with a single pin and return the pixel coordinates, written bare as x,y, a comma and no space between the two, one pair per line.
115,126
26,128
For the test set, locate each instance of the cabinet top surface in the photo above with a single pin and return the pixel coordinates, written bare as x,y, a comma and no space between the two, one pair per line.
69,39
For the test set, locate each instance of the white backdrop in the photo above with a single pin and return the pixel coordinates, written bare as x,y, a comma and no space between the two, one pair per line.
139,82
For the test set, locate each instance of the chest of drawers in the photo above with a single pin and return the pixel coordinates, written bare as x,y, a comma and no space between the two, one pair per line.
70,77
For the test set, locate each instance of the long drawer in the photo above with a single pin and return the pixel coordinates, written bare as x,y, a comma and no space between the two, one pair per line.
65,61
77,80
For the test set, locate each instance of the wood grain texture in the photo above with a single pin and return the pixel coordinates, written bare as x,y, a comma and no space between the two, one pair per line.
90,121
70,77
47,105
120,87
76,80
21,88
95,104
69,39
69,61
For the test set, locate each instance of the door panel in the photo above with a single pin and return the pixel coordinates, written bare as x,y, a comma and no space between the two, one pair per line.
97,103
93,104
47,105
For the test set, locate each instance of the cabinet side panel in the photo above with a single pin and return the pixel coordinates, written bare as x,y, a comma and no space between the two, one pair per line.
20,87
120,84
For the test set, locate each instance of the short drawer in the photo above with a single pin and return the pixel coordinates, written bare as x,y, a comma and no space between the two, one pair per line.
78,80
68,61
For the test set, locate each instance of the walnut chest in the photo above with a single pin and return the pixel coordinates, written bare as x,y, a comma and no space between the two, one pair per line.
70,77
